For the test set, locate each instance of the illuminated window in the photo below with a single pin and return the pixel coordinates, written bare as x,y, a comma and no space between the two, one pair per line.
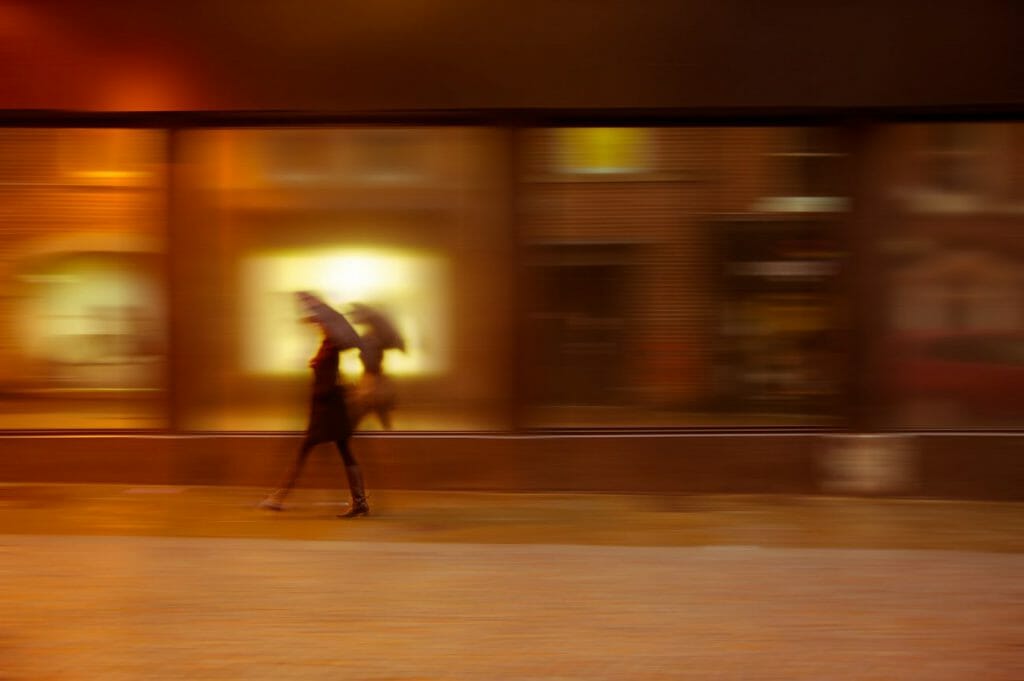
370,228
82,318
95,320
603,150
410,286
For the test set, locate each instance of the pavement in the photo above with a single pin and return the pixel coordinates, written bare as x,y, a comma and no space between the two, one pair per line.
120,582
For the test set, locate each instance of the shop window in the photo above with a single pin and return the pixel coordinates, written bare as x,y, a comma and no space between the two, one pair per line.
955,282
82,318
433,258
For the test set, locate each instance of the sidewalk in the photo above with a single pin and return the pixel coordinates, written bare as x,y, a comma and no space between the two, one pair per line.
508,518
124,583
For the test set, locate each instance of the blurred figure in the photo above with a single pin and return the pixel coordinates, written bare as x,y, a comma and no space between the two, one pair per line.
374,392
329,419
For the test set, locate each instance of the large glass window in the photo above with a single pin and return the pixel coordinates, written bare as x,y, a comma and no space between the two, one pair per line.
409,220
682,276
82,309
953,249
653,276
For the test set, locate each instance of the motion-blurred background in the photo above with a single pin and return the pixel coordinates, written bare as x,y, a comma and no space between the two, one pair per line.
699,214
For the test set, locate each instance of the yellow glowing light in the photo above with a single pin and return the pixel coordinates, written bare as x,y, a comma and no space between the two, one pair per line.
411,286
603,150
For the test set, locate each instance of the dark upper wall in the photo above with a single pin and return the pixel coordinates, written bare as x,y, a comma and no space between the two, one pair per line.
373,55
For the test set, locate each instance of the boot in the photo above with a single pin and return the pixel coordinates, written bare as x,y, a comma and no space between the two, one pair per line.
355,484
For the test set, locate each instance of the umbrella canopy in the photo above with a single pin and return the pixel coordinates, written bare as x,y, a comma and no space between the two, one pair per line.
382,325
334,324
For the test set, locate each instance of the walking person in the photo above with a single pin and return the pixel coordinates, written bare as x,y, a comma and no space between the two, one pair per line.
329,420
375,392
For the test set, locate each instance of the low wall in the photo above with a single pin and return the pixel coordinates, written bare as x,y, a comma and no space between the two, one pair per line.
950,466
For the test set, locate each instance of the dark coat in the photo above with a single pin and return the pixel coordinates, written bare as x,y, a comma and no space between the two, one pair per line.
328,411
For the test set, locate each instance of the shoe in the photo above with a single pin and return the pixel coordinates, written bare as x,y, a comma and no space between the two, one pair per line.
275,502
355,484
359,508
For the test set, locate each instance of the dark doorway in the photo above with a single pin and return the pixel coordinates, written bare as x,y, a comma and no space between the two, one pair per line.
577,324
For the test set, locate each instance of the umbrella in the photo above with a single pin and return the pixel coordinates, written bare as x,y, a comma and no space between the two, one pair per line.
334,324
385,328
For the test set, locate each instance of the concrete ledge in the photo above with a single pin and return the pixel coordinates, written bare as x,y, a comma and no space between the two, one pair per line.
982,466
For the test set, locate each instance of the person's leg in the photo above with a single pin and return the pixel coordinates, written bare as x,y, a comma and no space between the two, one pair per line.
355,482
385,418
275,502
346,452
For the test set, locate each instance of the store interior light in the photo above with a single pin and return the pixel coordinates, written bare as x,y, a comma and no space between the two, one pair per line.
410,285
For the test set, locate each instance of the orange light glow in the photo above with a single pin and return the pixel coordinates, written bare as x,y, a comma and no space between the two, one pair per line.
143,87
